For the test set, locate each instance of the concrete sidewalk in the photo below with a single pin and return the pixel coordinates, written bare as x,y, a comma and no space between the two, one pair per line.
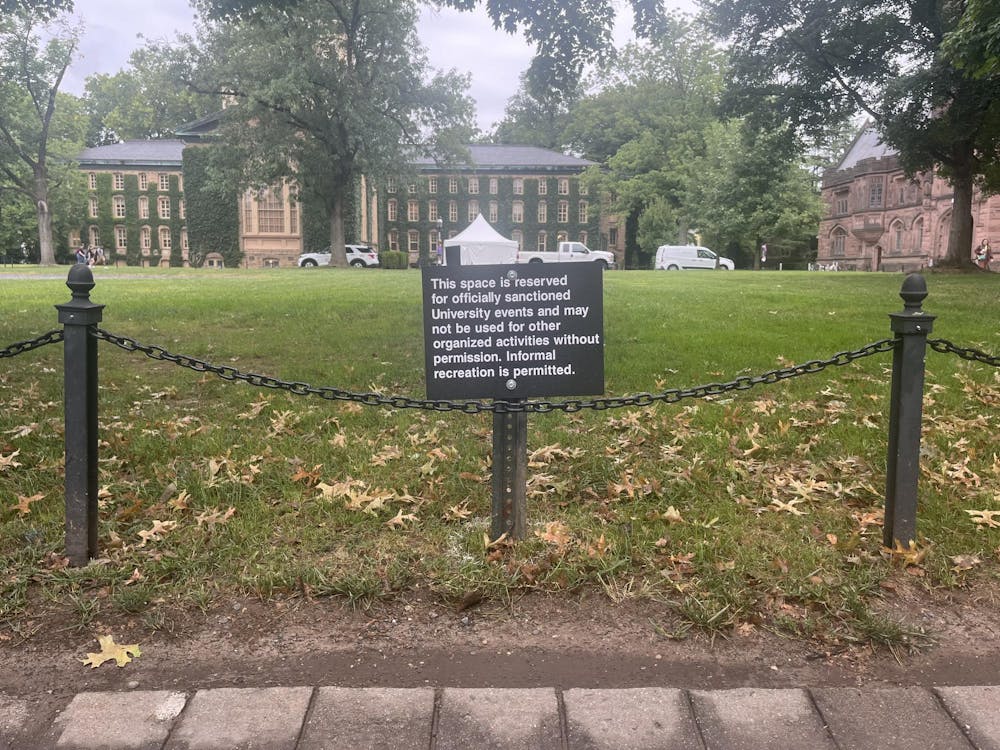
307,718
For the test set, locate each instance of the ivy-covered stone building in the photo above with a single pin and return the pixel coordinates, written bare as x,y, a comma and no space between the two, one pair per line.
879,219
150,203
532,195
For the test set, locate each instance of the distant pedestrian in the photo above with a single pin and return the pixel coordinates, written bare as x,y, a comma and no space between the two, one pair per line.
81,256
763,253
984,255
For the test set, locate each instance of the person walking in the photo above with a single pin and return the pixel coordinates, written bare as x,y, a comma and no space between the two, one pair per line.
984,254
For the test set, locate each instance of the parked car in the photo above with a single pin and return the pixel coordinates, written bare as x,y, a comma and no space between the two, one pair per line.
688,257
359,256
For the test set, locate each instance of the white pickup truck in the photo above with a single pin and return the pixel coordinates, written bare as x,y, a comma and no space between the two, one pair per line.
568,252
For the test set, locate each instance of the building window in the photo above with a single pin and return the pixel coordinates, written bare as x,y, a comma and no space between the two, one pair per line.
432,184
118,207
473,210
583,238
92,181
270,212
432,210
143,207
413,241
392,209
93,208
453,212
247,213
518,186
494,185
839,244
394,240
473,186
518,236
582,213
181,210
543,212
494,212
184,239
412,211
875,192
613,237
543,241
293,216
164,238
563,186
163,205
562,236
543,186
562,214
918,232
118,181
452,185
897,238
121,238
412,188
517,212
435,243
841,204
581,187
164,181
143,181
145,238
95,237
390,185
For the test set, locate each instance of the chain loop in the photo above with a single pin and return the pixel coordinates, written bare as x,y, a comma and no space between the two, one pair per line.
973,355
670,396
52,337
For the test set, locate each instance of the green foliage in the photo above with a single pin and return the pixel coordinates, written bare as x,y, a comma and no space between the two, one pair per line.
393,259
535,120
212,210
975,44
320,121
148,99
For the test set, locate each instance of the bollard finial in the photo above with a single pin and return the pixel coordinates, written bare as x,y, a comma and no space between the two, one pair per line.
914,292
80,281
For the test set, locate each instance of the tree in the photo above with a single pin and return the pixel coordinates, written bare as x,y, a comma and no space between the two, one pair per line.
39,134
355,105
566,33
534,121
146,100
975,44
43,9
799,63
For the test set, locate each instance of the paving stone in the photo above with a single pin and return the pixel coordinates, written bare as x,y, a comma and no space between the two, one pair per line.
630,719
752,719
13,719
138,720
977,710
507,719
242,719
369,719
887,717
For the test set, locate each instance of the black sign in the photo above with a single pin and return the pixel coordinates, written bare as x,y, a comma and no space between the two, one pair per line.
514,331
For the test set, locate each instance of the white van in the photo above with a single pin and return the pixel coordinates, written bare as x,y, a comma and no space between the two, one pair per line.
688,257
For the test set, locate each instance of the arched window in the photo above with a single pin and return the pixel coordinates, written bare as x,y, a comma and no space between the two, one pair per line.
838,246
392,210
918,234
518,237
542,242
473,210
143,207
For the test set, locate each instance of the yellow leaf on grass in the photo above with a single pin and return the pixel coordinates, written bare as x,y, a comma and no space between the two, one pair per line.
672,515
555,533
400,519
789,507
156,533
110,650
8,460
23,505
965,562
985,518
214,517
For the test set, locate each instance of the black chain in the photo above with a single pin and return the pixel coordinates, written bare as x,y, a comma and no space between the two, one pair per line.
52,337
974,355
670,396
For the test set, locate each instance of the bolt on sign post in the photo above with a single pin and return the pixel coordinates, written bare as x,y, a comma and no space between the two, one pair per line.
511,332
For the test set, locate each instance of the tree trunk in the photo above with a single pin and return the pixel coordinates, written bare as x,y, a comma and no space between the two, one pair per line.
959,253
338,254
46,249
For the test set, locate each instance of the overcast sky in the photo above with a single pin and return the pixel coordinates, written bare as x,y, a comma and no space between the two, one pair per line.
464,41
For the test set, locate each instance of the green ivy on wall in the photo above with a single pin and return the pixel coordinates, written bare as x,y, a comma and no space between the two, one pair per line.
212,212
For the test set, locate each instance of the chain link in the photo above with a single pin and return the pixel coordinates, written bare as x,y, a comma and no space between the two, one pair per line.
52,337
671,396
974,355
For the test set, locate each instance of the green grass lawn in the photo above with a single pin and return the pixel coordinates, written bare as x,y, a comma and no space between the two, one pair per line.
755,509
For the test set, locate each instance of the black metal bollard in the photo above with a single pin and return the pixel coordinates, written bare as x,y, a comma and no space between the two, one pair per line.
80,317
510,475
911,326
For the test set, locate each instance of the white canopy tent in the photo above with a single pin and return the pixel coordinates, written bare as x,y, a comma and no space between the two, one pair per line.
480,244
